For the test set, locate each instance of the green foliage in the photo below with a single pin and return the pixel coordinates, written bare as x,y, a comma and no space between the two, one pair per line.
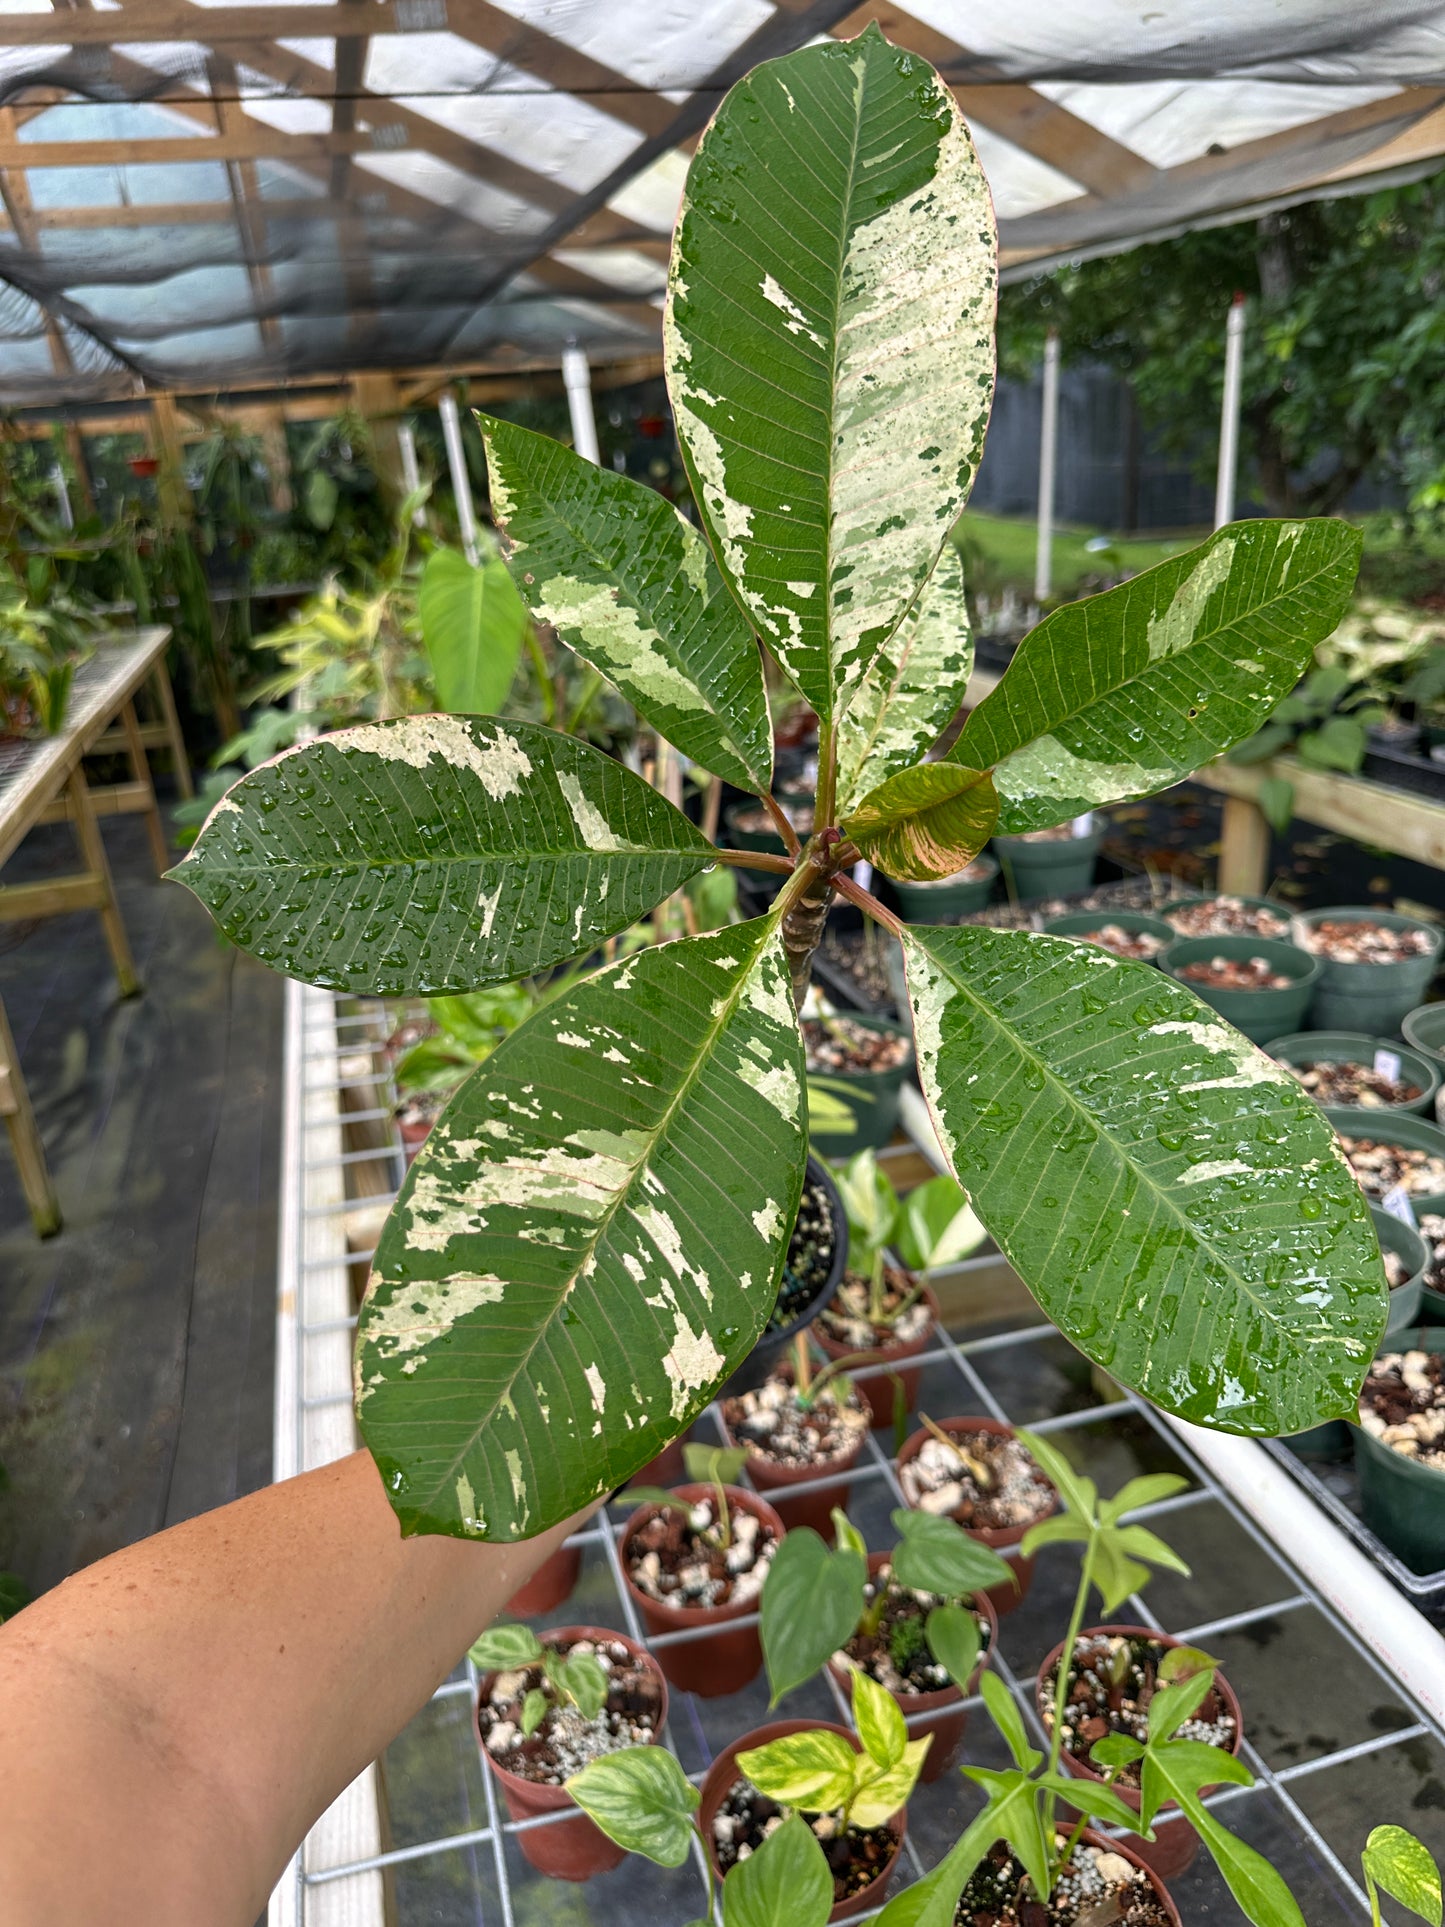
473,626
786,1883
938,1225
1402,1866
936,1555
926,822
571,1678
642,1799
819,1772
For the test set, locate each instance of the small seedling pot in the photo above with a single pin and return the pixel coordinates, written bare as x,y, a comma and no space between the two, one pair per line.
724,1773
870,1097
773,1347
813,1509
940,1714
1260,1014
1169,910
1424,1029
550,1584
875,1380
1348,1047
1078,923
724,1657
1003,1598
1060,869
1413,1252
949,896
1175,1841
1395,1127
1372,997
1402,1501
572,1849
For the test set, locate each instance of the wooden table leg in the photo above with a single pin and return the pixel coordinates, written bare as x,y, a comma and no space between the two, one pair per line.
25,1137
1243,849
92,850
166,697
140,770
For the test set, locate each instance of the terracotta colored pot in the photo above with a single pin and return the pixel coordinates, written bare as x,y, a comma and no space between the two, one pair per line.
723,1774
413,1136
549,1585
1003,1598
1089,1838
720,1661
572,1849
1175,1841
875,1382
940,1713
666,1469
813,1509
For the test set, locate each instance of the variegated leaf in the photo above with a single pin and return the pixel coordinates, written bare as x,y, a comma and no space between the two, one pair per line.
589,1241
829,345
1126,692
632,587
912,688
1168,1193
436,853
926,822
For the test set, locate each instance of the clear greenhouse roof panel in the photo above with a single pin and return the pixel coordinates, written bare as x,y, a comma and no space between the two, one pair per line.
225,195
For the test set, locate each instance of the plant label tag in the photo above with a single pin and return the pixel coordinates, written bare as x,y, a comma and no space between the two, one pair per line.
1082,825
1387,1064
863,875
1397,1203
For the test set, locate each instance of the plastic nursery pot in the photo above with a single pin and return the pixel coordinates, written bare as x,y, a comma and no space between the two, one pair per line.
1424,1028
1372,997
1103,1843
1170,911
875,1381
572,1849
1175,1841
753,839
1260,1014
870,1097
949,897
549,1585
1061,868
722,1658
813,1509
724,1774
1393,1127
1004,1598
1349,1047
1413,1252
773,1347
1079,923
942,1713
1402,1501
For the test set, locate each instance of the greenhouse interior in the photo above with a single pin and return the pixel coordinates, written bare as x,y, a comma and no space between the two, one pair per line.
722,788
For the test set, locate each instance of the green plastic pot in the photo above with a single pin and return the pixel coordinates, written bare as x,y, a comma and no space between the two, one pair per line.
1395,1127
1424,1028
950,897
870,1099
1407,1244
1062,869
1370,997
1347,1047
1402,1501
1259,903
1260,1014
1078,923
768,840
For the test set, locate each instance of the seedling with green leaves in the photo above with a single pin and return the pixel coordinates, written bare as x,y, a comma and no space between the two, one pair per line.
568,1679
819,1772
815,1599
714,1465
592,1238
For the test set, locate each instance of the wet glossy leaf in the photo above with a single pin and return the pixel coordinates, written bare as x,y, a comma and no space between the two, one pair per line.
632,587
473,626
812,1601
642,1799
786,1883
1402,1865
1165,1190
589,1241
912,688
1126,692
813,1770
830,351
926,822
436,853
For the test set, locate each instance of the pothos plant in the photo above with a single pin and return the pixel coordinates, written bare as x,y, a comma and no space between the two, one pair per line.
568,1679
593,1236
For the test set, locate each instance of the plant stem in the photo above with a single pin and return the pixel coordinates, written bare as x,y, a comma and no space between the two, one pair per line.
544,678
724,1516
782,823
868,904
590,687
827,776
1062,1682
754,860
803,1372
1083,1820
876,1278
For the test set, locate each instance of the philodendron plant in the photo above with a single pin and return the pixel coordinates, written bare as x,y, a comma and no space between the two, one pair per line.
592,1238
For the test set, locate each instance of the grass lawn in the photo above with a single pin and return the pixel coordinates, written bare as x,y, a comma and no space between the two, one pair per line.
998,553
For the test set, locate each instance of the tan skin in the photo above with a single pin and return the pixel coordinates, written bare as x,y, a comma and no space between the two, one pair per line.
175,1717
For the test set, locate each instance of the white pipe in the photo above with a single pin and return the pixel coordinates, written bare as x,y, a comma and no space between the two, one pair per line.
461,481
577,380
1229,414
1048,453
62,497
410,473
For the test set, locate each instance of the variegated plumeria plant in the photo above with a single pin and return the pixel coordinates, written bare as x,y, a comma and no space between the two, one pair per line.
593,1235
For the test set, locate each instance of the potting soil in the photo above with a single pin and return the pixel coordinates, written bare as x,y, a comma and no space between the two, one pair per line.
985,1480
1112,1681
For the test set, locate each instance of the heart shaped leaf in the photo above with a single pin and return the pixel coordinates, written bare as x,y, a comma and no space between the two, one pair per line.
642,1799
812,1602
925,822
786,1883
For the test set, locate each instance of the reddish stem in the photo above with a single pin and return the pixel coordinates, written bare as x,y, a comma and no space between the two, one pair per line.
781,823
867,903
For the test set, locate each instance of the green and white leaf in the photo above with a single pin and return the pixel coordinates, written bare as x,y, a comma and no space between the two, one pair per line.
1126,692
503,1647
912,688
473,626
1167,1192
813,1770
1403,1866
436,853
632,587
926,822
642,1799
879,1720
589,1241
829,345
879,1792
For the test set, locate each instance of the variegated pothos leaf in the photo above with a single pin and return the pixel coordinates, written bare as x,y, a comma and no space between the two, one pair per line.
912,687
1126,692
829,345
589,1241
633,588
1177,1205
926,822
436,853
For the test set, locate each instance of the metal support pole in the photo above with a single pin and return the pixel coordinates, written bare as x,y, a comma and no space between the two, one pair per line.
461,481
410,473
62,497
577,380
1048,450
1229,414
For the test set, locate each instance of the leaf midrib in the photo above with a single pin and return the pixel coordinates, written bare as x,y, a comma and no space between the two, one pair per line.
349,868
